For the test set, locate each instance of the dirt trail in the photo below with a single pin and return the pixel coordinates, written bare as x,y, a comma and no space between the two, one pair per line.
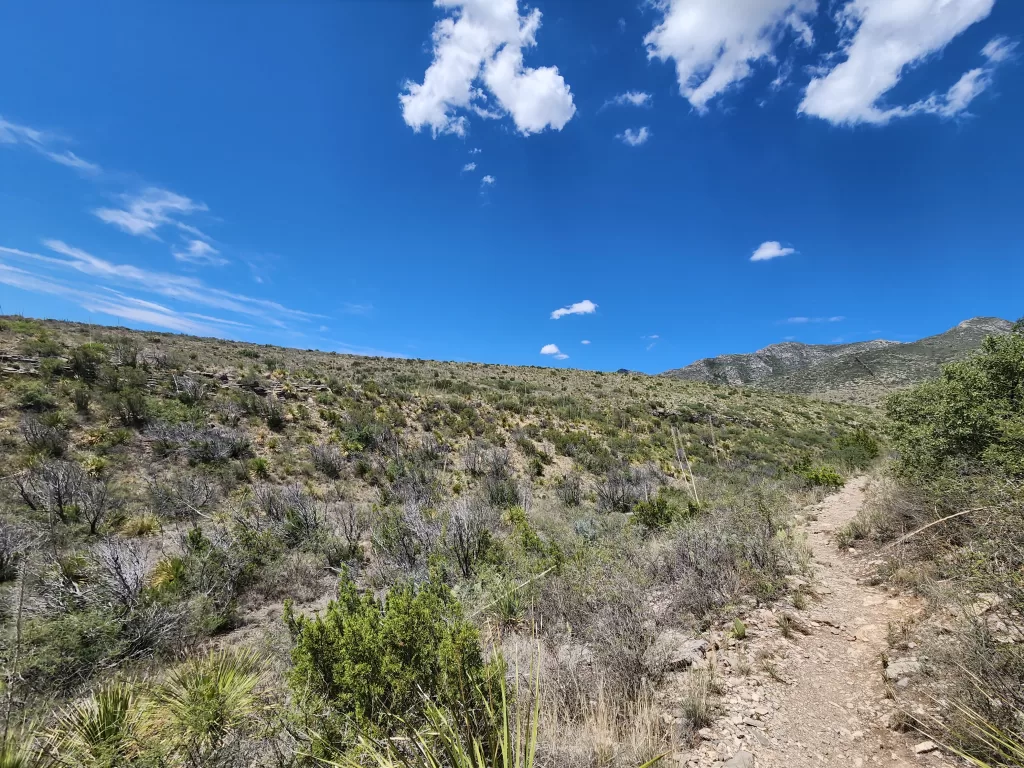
832,708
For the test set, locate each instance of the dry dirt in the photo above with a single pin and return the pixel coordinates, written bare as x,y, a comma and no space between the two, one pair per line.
832,708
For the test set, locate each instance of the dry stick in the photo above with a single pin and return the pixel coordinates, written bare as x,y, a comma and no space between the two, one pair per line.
680,450
934,522
13,673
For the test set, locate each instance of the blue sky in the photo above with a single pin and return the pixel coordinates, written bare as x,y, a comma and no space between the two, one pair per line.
436,180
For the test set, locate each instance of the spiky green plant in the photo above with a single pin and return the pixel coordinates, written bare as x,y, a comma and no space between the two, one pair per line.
443,742
17,752
205,703
1005,747
102,730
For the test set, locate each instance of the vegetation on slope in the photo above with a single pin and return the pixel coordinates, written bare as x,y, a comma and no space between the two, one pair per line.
164,494
953,516
864,372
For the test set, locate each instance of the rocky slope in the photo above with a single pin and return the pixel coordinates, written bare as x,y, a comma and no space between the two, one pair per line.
862,372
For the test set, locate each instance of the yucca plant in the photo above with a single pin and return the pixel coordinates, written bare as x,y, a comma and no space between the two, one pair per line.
206,703
100,731
18,750
444,742
1006,747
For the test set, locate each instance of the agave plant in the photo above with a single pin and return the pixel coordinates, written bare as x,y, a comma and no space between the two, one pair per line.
205,703
102,730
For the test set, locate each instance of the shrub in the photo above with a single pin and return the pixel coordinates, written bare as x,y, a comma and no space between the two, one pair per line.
131,408
327,459
47,440
655,514
35,398
570,489
823,477
87,360
374,666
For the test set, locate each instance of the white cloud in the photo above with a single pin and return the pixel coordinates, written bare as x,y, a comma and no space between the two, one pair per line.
999,49
43,143
771,249
882,40
475,151
585,341
146,212
488,180
714,43
71,160
634,138
468,167
585,307
189,290
805,320
630,98
200,252
553,351
478,56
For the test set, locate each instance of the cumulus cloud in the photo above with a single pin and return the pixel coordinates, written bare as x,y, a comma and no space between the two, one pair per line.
881,41
553,351
585,341
771,249
585,307
634,137
488,180
715,43
630,99
468,167
478,68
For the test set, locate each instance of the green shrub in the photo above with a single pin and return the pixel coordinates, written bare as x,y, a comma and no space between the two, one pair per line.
823,477
974,413
373,666
87,360
35,398
856,449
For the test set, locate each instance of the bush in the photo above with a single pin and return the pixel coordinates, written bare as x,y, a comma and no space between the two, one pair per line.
823,477
374,666
87,360
327,459
35,398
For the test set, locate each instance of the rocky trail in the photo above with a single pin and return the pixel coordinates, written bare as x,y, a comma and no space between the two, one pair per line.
817,697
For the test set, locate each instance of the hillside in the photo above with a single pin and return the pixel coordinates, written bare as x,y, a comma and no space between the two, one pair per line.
163,494
855,373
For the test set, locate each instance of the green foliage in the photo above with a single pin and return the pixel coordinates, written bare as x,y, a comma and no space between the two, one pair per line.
823,476
206,703
974,413
35,397
657,513
372,665
101,731
87,360
857,449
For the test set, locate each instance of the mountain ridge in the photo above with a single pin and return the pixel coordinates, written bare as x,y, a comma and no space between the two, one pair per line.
855,372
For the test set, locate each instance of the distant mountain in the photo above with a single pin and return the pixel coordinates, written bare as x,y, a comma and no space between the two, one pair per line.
861,372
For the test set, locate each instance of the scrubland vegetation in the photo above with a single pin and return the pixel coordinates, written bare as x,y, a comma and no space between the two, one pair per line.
221,554
951,520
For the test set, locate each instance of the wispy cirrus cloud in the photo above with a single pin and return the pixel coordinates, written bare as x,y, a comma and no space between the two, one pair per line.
199,252
585,307
806,320
73,262
143,214
46,143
